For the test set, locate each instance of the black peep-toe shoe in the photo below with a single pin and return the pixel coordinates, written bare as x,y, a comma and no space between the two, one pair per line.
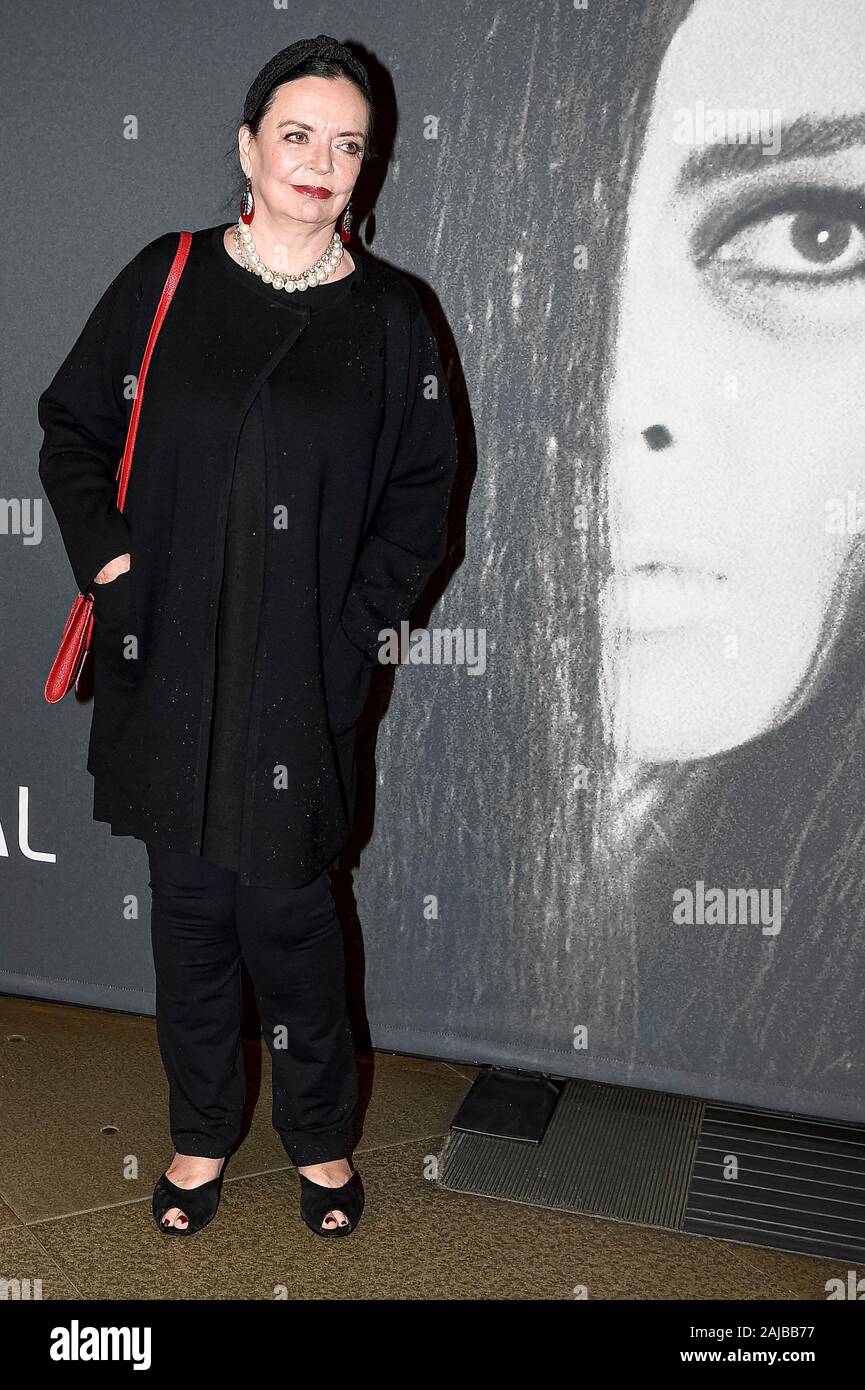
316,1201
199,1204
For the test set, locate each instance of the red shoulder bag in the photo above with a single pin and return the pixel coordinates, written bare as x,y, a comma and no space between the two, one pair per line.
75,642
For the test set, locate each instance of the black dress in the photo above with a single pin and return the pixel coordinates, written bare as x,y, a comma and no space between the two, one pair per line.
237,632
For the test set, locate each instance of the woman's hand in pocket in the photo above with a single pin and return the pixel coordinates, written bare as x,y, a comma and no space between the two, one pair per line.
115,628
347,675
119,565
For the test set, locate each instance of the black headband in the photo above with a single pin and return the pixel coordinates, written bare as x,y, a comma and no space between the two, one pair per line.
282,64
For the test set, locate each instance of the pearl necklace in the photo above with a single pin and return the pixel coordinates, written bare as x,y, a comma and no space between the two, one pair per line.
315,275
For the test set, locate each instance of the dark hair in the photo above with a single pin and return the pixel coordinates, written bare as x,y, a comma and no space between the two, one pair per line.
311,67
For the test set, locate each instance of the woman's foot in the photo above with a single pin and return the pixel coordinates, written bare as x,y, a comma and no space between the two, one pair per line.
189,1171
335,1173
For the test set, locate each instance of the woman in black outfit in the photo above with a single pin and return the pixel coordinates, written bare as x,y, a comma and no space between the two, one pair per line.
287,501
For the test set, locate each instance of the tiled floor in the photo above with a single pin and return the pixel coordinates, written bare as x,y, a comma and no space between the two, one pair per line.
84,1137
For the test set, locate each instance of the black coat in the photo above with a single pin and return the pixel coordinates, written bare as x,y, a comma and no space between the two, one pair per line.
361,454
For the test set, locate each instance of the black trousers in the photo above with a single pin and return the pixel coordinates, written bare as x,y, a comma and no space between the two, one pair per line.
202,923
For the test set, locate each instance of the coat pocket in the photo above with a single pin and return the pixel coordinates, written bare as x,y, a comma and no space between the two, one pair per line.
347,675
115,630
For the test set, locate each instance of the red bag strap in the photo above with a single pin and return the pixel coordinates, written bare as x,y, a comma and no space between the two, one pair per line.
171,283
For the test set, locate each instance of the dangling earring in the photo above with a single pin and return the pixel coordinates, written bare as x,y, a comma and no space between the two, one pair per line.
247,203
345,229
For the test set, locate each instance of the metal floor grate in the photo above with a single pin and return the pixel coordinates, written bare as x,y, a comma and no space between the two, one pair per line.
659,1160
608,1151
797,1184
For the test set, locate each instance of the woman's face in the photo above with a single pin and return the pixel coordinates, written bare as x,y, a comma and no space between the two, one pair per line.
737,404
313,136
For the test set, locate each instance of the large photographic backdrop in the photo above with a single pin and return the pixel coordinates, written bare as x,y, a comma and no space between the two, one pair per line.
610,802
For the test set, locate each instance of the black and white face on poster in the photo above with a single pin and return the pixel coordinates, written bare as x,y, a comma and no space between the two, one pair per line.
652,798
